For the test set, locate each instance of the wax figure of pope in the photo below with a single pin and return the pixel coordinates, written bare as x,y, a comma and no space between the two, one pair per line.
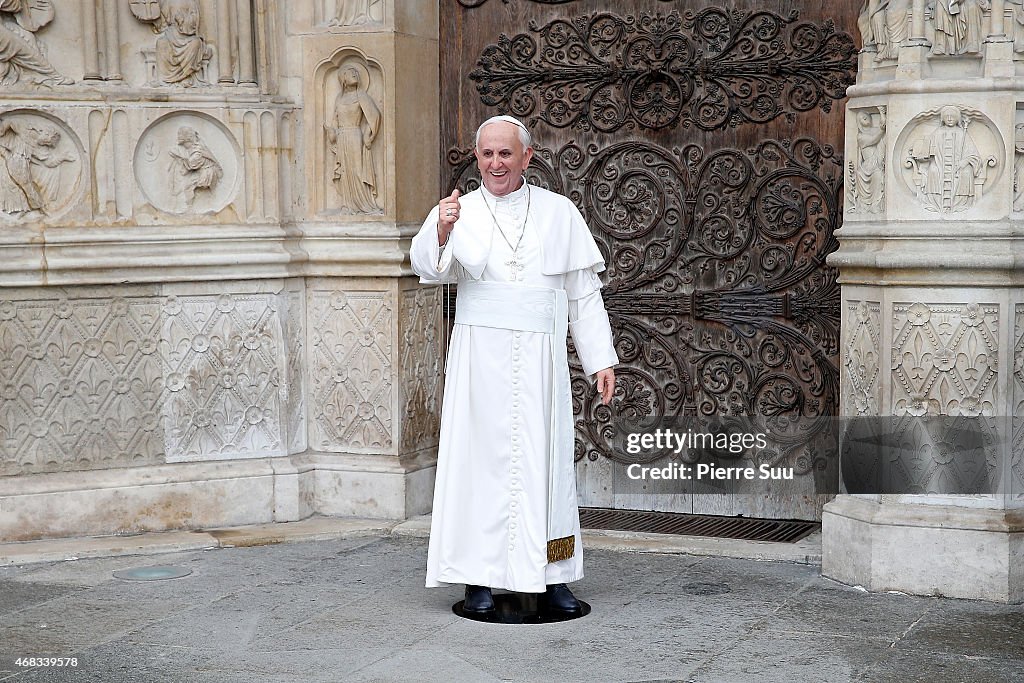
505,513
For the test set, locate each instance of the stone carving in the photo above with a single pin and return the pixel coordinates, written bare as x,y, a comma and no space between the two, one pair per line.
357,12
21,54
421,367
883,25
861,352
355,124
866,191
1017,25
350,358
187,163
182,54
945,359
132,380
712,68
1017,406
222,356
958,26
40,168
1018,167
192,168
949,172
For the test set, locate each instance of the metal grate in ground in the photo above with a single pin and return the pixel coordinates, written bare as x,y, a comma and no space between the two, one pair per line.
745,528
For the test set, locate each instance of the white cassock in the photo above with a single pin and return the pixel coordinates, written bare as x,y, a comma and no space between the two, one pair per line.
493,502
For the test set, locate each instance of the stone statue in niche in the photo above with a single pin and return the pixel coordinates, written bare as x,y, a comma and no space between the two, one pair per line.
883,23
1018,24
30,181
958,26
948,170
357,12
868,181
1018,167
193,168
21,55
354,126
181,52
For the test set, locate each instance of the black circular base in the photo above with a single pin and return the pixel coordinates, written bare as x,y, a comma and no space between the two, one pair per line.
520,608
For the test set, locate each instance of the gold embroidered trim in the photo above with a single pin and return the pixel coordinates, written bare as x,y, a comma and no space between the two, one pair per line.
561,548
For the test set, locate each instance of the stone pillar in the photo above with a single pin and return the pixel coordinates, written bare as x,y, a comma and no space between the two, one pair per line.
374,337
931,260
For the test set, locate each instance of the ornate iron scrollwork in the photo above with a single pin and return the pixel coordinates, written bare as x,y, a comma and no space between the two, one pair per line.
716,285
714,68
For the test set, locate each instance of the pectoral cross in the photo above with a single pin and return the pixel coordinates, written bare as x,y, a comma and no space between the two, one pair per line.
514,265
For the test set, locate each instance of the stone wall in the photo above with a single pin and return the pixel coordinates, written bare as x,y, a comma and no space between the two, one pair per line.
206,314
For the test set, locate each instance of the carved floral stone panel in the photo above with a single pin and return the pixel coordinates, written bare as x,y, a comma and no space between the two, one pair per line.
945,359
862,350
223,355
1017,406
422,350
187,163
42,166
125,381
350,370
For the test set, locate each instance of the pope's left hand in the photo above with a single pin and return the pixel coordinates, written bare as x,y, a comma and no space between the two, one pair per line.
606,384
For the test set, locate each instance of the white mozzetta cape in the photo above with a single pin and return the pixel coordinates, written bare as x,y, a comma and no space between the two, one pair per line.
490,516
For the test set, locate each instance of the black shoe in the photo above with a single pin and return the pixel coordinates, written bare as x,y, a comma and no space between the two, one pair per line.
560,599
478,599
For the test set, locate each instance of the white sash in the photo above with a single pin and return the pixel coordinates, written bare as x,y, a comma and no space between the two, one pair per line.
537,309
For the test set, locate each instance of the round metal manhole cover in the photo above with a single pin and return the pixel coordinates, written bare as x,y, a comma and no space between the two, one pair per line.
158,573
701,588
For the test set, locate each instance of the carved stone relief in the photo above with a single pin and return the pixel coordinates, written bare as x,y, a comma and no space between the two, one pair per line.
294,395
22,56
421,367
356,12
186,163
93,383
40,166
181,56
223,356
956,27
1018,167
350,361
1017,434
354,125
951,156
865,191
945,359
883,27
351,150
861,358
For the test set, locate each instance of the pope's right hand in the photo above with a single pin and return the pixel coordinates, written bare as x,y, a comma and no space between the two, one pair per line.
447,215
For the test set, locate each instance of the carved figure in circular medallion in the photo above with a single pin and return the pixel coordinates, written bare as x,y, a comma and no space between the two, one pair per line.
193,167
32,154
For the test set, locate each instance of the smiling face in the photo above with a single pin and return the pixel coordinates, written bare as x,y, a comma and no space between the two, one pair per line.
501,158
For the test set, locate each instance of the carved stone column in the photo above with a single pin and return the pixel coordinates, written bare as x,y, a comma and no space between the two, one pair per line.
374,338
933,305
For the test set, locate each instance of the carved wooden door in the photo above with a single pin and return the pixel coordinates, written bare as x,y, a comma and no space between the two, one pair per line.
703,146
